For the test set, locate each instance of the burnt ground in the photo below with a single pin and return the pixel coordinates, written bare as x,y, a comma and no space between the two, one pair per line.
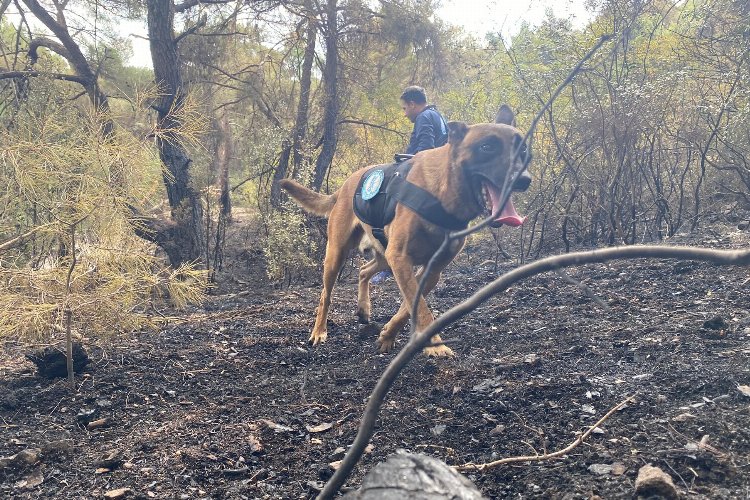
231,402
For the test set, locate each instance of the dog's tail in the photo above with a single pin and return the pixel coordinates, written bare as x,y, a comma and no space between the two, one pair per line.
316,203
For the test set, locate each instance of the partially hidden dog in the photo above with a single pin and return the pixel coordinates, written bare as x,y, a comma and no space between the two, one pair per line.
466,177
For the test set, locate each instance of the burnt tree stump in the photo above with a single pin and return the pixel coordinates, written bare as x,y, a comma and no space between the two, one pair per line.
51,362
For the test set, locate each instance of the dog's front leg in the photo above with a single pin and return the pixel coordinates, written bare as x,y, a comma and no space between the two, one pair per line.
396,324
403,272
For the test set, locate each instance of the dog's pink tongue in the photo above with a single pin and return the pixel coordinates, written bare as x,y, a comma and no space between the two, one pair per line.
508,216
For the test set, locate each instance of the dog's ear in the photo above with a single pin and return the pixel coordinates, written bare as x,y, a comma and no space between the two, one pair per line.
506,116
456,132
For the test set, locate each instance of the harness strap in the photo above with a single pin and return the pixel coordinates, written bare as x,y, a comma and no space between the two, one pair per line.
424,203
379,234
378,211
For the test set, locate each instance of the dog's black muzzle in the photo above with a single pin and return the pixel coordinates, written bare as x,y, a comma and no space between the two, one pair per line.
523,182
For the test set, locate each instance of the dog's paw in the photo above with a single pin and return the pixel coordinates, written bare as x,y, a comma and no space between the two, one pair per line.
363,316
385,344
438,350
318,338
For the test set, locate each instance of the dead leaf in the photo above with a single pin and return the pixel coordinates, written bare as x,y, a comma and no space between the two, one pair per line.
438,429
531,359
102,470
118,493
276,427
320,427
683,417
600,469
256,446
498,430
744,389
335,465
97,424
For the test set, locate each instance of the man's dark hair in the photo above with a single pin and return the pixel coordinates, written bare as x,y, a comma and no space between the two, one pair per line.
414,94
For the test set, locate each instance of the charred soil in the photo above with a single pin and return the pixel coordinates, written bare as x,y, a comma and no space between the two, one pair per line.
229,401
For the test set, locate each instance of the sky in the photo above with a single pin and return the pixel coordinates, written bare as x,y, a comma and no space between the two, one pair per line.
481,16
476,16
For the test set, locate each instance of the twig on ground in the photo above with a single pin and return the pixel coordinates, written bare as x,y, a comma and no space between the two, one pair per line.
546,456
589,293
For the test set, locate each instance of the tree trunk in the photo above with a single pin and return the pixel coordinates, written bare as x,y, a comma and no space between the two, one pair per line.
300,124
222,159
331,111
184,200
292,150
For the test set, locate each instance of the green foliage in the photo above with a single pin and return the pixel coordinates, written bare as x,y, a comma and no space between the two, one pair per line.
69,190
288,247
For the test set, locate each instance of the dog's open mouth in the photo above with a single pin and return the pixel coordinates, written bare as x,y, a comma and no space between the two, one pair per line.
493,197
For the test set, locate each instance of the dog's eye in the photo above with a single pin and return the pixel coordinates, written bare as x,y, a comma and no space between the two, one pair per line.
521,150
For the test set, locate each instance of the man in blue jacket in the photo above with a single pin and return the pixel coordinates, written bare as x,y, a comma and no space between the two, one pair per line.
430,130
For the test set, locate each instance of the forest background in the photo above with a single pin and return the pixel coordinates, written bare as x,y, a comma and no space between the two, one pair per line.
110,171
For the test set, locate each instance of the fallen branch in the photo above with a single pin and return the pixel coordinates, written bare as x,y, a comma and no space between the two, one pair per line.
420,340
546,456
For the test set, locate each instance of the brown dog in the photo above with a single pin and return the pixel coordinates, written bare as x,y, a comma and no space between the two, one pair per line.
466,175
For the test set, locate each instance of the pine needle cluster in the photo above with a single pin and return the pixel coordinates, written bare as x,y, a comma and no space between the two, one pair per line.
70,193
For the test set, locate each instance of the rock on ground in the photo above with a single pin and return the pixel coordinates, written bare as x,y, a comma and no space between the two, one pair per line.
654,482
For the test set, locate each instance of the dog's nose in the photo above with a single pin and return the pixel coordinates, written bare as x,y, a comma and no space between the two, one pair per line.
523,182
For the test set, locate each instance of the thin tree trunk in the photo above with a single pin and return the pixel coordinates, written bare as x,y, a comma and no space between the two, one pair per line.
222,160
292,149
331,111
300,124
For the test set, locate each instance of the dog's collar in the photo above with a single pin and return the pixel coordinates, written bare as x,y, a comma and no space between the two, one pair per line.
421,201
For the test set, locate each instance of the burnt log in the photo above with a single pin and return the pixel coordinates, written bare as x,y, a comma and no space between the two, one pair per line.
406,476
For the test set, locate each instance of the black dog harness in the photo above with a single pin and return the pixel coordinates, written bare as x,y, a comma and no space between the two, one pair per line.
382,187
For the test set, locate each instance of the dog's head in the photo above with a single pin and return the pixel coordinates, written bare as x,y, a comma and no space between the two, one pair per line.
489,155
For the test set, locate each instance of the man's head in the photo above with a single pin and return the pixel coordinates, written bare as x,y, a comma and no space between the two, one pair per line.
413,102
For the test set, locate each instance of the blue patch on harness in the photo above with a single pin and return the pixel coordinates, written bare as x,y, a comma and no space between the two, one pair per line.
372,183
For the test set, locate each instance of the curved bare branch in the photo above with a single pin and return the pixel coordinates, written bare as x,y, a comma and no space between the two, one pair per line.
52,45
422,339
